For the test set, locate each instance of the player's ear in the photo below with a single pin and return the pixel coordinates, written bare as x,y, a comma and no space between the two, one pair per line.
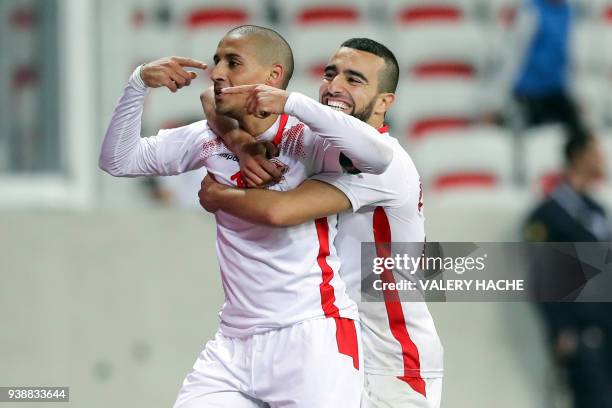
275,78
384,103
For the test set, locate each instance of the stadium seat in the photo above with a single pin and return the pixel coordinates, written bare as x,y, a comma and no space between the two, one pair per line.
501,211
299,13
313,46
476,157
587,55
502,13
424,107
592,92
441,50
201,14
542,156
411,12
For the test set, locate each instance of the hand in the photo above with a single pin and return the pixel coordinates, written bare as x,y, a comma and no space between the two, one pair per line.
262,100
255,165
209,193
169,72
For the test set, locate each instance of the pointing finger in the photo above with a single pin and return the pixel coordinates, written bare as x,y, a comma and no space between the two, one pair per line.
238,89
190,62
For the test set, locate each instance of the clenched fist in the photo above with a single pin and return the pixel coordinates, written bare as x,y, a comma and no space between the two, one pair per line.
170,72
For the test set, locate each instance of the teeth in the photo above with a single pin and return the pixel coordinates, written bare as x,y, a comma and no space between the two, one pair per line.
337,105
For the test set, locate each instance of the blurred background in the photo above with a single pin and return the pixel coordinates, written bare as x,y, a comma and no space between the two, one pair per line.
110,286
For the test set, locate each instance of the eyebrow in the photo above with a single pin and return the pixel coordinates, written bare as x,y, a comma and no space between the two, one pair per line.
228,56
357,74
331,67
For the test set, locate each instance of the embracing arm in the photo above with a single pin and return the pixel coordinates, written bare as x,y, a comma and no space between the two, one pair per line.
311,200
124,153
360,142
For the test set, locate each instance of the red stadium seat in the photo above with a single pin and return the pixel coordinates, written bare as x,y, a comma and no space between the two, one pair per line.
216,16
542,153
427,126
412,12
316,44
322,12
465,180
440,50
428,13
476,157
423,108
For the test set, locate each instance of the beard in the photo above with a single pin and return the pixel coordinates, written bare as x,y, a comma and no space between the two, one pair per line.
365,113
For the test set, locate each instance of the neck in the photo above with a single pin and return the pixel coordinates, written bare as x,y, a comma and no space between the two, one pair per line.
256,126
376,121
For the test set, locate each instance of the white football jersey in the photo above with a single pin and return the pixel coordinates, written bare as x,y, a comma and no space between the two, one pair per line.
272,277
399,338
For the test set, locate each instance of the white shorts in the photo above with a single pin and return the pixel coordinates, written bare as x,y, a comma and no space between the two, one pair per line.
316,363
381,391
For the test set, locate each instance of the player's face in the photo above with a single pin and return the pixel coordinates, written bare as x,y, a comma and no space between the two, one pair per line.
350,82
235,64
595,160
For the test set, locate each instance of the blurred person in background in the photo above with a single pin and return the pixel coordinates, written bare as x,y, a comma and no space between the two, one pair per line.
536,66
580,333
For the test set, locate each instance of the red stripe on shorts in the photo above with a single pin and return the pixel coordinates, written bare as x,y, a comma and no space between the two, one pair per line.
397,322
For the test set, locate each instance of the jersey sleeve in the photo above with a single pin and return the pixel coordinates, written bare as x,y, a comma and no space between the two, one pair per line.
359,141
125,154
395,187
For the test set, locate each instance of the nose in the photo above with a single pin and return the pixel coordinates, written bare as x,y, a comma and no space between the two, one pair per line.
336,85
218,73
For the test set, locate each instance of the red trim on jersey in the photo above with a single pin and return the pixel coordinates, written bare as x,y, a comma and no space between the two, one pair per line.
346,334
397,322
383,129
328,298
281,128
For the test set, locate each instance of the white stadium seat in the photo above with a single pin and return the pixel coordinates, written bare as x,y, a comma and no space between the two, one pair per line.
542,153
441,50
500,211
477,157
198,14
409,12
423,107
313,46
300,13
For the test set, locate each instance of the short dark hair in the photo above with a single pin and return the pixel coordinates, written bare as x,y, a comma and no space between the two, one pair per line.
273,48
577,143
389,76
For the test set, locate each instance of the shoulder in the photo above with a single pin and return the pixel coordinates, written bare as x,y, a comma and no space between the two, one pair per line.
198,129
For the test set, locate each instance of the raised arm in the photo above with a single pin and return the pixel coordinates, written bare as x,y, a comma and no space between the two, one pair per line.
359,141
311,200
124,153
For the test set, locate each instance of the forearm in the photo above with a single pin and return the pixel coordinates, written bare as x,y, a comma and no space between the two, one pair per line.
359,141
124,153
311,200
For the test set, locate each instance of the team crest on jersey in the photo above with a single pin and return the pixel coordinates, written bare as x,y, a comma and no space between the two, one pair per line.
284,168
